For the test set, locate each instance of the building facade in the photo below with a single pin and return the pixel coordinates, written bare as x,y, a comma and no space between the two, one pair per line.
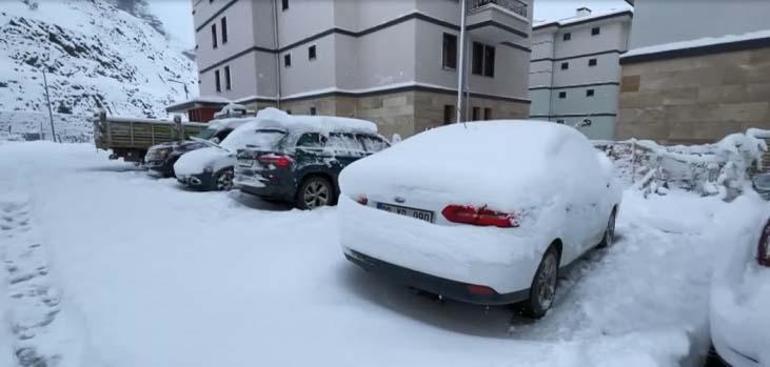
575,69
698,80
392,62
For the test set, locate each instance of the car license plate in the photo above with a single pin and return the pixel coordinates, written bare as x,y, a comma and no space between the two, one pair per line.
245,162
409,212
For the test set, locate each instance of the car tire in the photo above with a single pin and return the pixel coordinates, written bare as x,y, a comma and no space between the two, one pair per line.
315,192
543,289
223,180
609,233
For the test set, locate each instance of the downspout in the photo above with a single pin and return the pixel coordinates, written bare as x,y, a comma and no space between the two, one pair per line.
277,55
550,86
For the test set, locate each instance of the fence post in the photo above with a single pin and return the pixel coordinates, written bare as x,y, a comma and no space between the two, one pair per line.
633,161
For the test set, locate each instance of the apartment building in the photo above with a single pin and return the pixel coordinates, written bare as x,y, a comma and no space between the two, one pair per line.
696,80
575,71
393,62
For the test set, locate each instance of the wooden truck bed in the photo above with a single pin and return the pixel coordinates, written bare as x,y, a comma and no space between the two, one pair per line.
129,138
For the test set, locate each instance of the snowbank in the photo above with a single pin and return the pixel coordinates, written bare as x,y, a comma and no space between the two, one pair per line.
709,169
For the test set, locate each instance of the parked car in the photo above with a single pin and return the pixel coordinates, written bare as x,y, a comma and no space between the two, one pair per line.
160,158
211,168
297,159
740,294
481,212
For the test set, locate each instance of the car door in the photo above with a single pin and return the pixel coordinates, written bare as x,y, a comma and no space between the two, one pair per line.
345,148
310,153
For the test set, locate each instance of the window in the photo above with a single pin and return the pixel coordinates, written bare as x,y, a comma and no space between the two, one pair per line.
313,111
565,66
589,93
284,5
560,122
595,31
311,54
217,81
224,30
287,60
483,60
214,35
489,61
346,145
487,113
449,52
449,112
562,95
228,82
311,140
476,114
373,144
591,62
567,36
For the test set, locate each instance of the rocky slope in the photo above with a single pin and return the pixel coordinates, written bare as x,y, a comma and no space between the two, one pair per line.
96,53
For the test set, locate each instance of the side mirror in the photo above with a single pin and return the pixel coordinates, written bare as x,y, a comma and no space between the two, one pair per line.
215,140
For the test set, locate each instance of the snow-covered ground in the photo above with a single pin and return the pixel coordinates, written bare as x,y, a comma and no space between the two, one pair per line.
148,274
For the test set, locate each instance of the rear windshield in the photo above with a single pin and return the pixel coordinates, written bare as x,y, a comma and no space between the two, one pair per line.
266,139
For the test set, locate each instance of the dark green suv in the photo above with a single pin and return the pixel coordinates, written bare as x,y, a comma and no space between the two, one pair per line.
301,167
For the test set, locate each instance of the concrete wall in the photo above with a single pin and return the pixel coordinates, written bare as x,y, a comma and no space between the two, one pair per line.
665,21
695,99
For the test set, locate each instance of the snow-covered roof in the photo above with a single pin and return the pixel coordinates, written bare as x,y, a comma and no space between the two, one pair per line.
217,100
699,42
598,15
272,117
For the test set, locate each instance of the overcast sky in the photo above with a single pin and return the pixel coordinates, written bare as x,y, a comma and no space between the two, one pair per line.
177,14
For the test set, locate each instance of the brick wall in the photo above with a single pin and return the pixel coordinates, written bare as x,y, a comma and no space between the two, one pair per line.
695,99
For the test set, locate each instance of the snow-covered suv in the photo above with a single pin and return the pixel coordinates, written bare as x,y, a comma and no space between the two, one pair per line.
297,158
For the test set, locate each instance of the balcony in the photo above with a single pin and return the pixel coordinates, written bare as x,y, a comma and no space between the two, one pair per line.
514,6
499,21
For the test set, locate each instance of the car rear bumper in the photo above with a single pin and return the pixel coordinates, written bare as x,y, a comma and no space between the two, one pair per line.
465,292
273,185
464,255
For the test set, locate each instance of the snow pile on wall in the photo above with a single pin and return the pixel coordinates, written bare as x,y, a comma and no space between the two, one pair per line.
721,168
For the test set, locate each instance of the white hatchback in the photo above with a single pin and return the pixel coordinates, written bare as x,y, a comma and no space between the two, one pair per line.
740,293
482,212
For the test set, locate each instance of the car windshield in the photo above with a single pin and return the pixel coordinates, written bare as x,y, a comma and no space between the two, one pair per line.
207,133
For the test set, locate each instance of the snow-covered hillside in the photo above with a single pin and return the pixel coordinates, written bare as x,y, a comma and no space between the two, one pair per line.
95,54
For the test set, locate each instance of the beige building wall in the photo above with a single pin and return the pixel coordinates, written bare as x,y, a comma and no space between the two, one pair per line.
405,113
695,99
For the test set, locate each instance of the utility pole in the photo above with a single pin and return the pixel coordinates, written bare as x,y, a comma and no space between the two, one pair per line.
48,100
461,64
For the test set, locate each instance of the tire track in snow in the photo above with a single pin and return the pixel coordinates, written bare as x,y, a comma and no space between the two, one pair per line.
33,303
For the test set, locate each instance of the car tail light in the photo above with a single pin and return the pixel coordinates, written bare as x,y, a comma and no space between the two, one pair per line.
469,214
362,199
763,247
280,161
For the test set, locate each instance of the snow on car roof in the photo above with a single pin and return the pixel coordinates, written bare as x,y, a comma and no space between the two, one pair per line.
275,118
232,122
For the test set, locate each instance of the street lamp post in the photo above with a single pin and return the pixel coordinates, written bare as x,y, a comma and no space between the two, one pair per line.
461,64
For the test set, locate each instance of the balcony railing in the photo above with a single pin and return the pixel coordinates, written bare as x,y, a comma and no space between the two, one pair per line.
515,6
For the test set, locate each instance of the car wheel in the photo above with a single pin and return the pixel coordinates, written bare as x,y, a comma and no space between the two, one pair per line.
315,192
609,232
224,180
543,289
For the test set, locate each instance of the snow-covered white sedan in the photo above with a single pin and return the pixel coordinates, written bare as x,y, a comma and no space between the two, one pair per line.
212,168
482,212
740,295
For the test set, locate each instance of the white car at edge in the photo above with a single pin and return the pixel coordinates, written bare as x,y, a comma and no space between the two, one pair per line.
482,212
740,292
